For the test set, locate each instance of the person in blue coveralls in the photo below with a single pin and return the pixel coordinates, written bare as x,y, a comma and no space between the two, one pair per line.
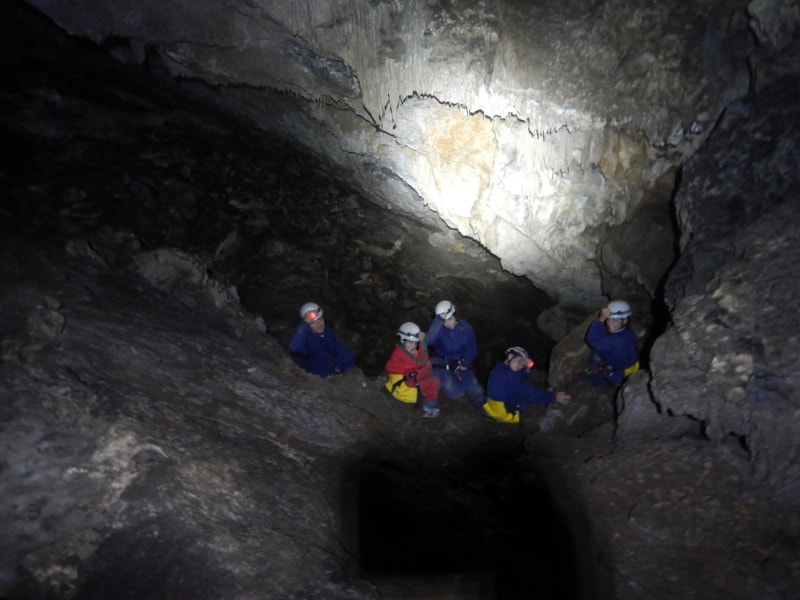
615,350
508,391
453,342
317,346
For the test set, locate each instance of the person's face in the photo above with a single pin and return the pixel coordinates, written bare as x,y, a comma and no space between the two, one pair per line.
410,346
614,325
449,322
317,326
517,363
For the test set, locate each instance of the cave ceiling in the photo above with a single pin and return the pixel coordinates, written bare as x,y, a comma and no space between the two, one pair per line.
535,129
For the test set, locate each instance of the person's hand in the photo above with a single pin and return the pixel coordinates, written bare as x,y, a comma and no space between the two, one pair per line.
563,397
604,312
421,335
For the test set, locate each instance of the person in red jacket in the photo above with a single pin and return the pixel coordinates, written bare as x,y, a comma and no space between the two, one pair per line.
410,373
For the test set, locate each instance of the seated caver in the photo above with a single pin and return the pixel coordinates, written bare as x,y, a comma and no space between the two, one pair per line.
317,346
453,342
410,376
615,350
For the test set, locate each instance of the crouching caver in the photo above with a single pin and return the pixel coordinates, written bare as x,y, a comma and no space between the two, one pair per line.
410,373
508,392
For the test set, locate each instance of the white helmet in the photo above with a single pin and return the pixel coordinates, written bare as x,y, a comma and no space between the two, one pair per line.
311,307
409,331
619,309
446,308
518,351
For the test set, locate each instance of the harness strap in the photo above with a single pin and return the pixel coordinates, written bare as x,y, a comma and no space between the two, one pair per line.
412,375
450,366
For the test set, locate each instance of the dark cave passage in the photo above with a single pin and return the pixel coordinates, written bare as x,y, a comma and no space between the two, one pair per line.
488,525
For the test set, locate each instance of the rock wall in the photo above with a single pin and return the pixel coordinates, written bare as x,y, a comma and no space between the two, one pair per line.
728,365
536,130
157,439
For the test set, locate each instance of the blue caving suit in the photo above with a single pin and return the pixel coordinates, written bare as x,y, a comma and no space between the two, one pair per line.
614,355
455,348
322,355
512,389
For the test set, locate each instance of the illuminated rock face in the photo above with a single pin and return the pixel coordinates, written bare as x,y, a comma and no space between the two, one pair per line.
536,129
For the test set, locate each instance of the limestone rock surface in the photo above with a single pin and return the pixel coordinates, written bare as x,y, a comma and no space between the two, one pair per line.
728,360
158,439
536,129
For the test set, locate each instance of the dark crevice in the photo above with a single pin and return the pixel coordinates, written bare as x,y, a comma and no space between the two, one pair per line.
659,309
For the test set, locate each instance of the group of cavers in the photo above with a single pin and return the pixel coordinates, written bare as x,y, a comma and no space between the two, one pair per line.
423,364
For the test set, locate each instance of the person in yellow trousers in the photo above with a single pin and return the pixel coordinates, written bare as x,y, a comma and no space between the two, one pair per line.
508,391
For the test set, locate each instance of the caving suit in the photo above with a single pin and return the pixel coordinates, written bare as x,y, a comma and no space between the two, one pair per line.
614,355
509,394
455,350
410,373
322,355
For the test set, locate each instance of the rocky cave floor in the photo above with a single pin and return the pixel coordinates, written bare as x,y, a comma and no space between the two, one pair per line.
158,442
147,430
143,400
